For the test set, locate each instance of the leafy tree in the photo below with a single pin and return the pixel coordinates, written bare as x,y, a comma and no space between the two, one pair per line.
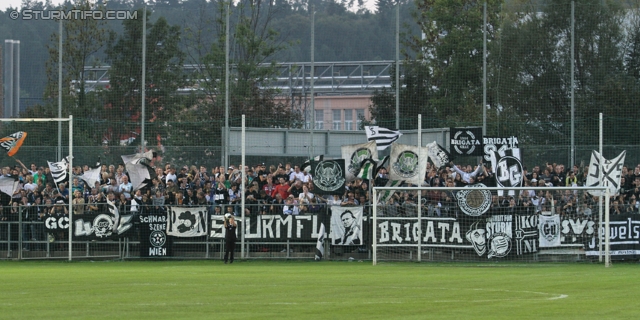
164,76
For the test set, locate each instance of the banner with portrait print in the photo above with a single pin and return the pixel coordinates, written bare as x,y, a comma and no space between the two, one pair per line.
346,225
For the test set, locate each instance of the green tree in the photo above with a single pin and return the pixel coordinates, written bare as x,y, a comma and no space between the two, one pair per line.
164,76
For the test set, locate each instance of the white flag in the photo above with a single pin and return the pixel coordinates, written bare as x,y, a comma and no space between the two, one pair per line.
187,221
8,185
408,163
382,136
91,177
353,154
611,173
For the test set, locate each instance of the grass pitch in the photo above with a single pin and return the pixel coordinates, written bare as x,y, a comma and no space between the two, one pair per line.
309,290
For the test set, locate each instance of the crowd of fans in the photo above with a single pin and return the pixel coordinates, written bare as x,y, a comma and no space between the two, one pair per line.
286,189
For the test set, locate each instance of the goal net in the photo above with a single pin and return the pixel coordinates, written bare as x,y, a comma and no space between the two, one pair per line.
37,155
479,223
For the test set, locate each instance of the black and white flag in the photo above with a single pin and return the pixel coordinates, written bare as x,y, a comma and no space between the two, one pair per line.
187,222
328,176
508,168
498,144
320,242
611,173
59,170
438,155
140,173
354,154
408,163
346,225
382,136
466,142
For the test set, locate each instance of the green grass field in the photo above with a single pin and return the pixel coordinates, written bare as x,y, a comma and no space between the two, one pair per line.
308,290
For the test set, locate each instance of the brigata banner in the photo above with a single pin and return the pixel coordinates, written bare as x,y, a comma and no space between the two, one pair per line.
490,237
466,142
154,242
271,227
624,238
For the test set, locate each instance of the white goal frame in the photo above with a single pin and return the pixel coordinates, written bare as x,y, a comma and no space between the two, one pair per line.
376,190
70,168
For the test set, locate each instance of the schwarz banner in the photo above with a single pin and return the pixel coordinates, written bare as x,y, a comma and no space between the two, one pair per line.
466,142
624,238
271,227
154,242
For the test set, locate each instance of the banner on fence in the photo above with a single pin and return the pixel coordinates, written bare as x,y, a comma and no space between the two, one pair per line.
624,238
187,221
154,242
108,225
346,225
271,227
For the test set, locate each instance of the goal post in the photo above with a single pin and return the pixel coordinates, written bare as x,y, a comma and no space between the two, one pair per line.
42,140
479,223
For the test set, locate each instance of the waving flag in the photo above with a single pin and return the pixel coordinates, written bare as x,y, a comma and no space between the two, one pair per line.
369,167
382,136
438,155
91,177
611,173
59,170
138,169
13,142
9,185
354,154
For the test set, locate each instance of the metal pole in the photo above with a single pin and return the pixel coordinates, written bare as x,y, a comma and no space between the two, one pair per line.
144,75
60,89
226,89
70,180
573,128
419,191
607,231
375,225
398,65
600,168
313,100
243,186
484,71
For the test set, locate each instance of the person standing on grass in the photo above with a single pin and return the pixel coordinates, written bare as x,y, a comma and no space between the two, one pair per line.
230,227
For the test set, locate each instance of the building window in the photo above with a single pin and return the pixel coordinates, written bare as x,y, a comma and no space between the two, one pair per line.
348,119
359,118
319,119
337,120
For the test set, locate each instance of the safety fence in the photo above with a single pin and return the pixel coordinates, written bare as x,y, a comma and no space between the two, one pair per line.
512,230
